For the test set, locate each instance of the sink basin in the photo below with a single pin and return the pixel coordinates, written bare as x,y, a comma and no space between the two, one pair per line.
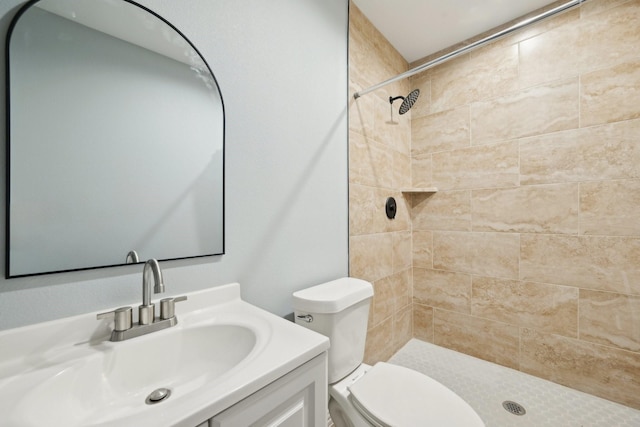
185,359
67,373
119,377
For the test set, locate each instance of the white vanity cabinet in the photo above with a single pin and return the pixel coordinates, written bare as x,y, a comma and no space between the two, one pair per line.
298,399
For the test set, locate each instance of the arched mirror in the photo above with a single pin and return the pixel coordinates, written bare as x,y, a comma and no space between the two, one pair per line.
115,139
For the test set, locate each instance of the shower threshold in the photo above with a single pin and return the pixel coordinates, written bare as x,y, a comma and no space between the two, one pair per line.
486,386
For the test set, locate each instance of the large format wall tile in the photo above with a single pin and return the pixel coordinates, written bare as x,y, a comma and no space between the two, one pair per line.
610,38
585,46
445,210
597,153
401,170
360,110
491,72
567,18
610,319
528,253
366,207
442,289
493,341
593,7
421,171
362,51
380,249
539,306
610,208
484,166
533,111
369,162
423,322
603,371
592,262
532,209
379,346
367,210
402,290
402,251
485,254
422,106
370,256
383,302
611,94
442,131
422,249
371,55
550,56
403,326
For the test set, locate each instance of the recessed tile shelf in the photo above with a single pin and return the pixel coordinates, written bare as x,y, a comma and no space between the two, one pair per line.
420,190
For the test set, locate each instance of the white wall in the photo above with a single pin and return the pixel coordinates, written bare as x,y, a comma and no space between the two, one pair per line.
282,70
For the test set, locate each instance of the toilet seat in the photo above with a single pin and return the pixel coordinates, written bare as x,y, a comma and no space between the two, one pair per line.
390,395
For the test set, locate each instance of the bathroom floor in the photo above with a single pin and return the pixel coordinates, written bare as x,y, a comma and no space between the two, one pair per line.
485,385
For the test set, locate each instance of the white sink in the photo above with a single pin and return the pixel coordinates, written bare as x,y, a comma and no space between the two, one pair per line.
216,355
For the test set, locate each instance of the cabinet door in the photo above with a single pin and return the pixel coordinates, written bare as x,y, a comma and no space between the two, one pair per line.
292,413
299,399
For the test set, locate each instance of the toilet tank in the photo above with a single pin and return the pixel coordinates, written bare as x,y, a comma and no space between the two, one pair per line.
339,310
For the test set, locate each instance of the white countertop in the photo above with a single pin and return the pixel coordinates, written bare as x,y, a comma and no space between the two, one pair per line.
33,354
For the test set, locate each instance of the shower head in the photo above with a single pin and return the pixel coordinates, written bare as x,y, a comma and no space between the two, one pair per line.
407,102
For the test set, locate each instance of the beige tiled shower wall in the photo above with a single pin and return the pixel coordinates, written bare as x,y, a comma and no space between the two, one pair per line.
529,254
380,249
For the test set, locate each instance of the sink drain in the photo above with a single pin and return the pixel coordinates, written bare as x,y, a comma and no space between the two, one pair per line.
514,407
158,396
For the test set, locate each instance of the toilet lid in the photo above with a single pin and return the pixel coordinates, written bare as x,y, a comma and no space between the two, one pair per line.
390,395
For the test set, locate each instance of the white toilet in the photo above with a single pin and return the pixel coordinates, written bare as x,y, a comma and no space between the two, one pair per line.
384,395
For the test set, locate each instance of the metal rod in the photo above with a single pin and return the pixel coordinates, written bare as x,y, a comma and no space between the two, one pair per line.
446,57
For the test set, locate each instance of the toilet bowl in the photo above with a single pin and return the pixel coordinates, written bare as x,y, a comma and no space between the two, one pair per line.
382,395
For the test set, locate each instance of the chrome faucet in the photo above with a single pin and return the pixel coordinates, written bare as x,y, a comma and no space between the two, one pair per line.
146,312
147,320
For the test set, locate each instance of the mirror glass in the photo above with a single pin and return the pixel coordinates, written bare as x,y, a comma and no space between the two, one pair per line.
115,139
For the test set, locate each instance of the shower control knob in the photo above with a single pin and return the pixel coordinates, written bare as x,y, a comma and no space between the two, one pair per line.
390,208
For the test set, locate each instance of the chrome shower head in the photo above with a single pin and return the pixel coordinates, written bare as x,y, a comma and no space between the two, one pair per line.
407,102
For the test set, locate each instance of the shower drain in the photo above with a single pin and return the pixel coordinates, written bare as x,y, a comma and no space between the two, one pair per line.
513,407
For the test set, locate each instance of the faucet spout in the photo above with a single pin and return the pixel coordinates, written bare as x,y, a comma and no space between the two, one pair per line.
147,320
154,266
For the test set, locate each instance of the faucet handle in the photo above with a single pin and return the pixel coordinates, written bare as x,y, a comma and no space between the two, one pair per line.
146,314
121,316
167,307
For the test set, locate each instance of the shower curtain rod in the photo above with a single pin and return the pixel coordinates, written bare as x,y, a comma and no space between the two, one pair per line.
524,23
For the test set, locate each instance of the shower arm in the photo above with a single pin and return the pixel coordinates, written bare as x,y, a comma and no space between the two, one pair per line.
486,40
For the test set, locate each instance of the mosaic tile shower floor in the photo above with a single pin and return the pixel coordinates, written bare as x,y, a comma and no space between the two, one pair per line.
485,385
